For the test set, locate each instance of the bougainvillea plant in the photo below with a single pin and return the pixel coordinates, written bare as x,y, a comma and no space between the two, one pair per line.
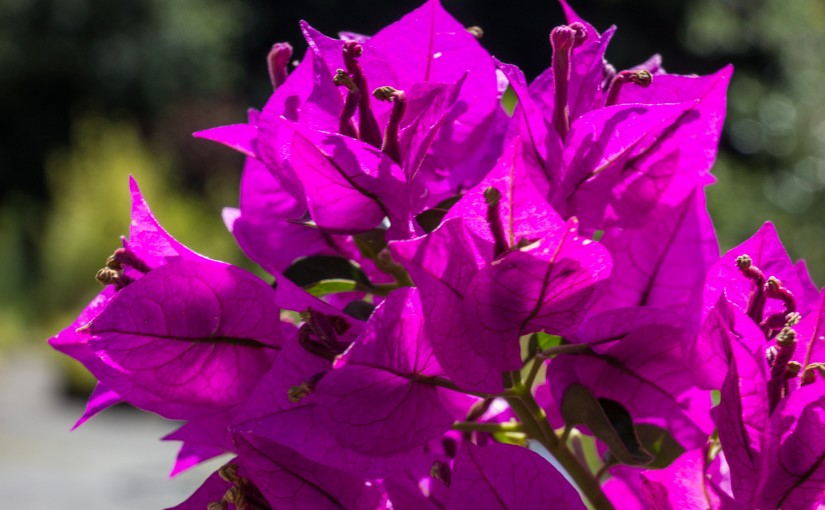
470,309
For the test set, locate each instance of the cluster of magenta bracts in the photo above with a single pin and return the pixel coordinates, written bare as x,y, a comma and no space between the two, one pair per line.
456,289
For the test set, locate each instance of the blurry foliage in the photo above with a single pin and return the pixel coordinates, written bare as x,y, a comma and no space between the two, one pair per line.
64,169
776,119
88,183
61,57
90,206
90,200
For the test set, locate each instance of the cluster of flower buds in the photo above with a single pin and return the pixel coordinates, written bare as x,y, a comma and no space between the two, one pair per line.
461,294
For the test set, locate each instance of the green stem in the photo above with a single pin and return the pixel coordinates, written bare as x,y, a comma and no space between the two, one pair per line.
537,427
538,362
563,349
446,383
471,426
565,435
603,470
385,263
378,289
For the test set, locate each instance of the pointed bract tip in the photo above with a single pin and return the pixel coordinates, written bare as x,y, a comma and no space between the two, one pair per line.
569,12
768,226
310,33
133,185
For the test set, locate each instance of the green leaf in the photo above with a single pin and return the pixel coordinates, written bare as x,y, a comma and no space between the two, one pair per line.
371,242
430,219
608,420
309,271
547,341
660,443
326,287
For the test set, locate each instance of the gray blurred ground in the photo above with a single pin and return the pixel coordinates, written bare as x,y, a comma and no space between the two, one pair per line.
115,461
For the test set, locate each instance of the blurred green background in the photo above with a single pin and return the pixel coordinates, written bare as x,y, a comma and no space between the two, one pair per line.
94,90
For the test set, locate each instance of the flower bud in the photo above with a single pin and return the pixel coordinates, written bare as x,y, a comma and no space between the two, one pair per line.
390,145
369,131
229,473
277,61
320,334
298,393
793,369
493,198
640,77
113,263
107,276
475,31
563,39
808,377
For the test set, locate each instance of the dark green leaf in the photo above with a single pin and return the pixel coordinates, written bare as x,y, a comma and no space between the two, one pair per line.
311,270
430,219
660,443
608,420
371,242
360,310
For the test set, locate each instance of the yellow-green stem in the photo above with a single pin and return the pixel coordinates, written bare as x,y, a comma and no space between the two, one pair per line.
488,427
538,428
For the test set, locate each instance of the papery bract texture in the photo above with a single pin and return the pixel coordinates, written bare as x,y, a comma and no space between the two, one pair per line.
793,475
266,226
682,485
710,350
429,46
442,265
378,402
508,477
660,263
188,338
742,419
292,482
305,427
